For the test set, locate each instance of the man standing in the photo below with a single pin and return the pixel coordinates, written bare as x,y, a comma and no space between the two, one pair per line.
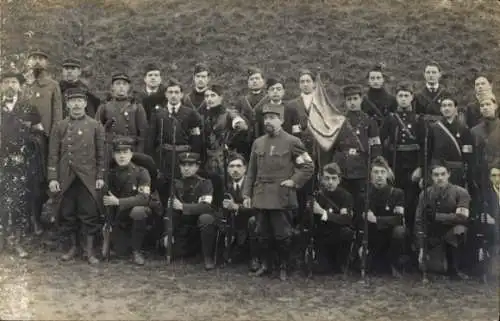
201,78
487,133
71,72
402,136
447,212
452,142
129,194
193,220
378,103
75,172
428,100
279,165
334,220
122,116
386,223
291,120
472,113
19,121
153,93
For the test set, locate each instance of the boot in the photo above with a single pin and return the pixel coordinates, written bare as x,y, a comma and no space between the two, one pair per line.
21,252
283,273
73,250
138,258
395,272
254,264
453,258
209,263
263,269
91,258
3,242
37,227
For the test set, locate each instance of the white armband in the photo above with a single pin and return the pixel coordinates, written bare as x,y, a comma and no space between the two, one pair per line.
374,141
144,189
236,120
463,211
205,199
296,129
399,210
467,149
195,131
303,158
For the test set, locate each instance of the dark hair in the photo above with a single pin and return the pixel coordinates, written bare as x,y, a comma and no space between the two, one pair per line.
332,169
433,64
173,83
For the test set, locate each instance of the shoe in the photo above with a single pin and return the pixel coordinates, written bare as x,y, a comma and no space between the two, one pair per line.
70,254
91,258
395,272
209,264
254,265
263,269
283,274
21,252
138,258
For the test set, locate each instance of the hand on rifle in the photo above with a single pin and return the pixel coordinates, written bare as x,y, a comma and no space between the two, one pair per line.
241,125
247,202
416,175
176,204
99,184
489,219
54,186
370,217
318,210
110,200
229,204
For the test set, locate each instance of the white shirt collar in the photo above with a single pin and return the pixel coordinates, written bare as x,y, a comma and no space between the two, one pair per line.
151,91
174,108
307,98
432,88
238,183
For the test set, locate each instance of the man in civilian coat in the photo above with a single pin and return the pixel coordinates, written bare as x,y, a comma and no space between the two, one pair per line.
428,100
201,78
377,102
75,172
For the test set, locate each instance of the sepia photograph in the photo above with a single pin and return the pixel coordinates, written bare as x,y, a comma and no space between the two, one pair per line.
250,160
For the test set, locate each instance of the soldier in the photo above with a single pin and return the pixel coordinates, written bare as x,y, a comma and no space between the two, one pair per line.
487,133
471,114
174,116
279,165
447,212
378,103
194,219
45,95
222,128
153,92
428,100
71,72
75,171
334,220
18,122
201,78
128,194
401,134
386,224
291,120
353,157
122,115
452,142
246,239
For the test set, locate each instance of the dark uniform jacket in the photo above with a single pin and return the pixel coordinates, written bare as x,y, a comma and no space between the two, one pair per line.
444,203
347,152
150,100
487,138
291,120
131,184
378,103
76,149
273,160
130,121
246,107
45,95
333,202
196,195
303,113
218,130
93,101
429,103
383,201
195,100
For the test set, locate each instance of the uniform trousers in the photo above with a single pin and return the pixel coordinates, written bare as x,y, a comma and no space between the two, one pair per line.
191,230
79,210
387,243
334,241
274,225
130,229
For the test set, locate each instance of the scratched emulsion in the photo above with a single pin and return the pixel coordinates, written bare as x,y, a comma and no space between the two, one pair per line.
15,292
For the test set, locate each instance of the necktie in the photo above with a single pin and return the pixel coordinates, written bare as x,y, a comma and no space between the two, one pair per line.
237,189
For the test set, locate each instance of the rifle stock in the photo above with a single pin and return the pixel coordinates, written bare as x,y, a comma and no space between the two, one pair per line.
168,217
364,244
427,207
108,211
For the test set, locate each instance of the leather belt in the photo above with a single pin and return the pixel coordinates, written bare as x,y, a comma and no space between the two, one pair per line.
406,148
177,148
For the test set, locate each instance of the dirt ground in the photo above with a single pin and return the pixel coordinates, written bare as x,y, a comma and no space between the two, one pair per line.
44,288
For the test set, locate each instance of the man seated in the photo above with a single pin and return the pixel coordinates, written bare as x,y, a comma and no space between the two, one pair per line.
334,218
441,218
129,196
385,215
244,218
193,220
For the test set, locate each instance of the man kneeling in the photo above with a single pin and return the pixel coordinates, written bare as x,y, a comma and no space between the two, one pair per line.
128,195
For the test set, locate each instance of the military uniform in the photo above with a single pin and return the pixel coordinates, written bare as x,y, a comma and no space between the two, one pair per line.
274,159
387,235
454,144
131,184
291,119
123,118
445,222
487,139
335,235
195,100
378,104
428,102
196,222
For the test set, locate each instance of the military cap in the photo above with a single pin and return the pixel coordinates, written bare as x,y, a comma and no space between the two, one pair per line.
38,52
273,81
120,75
216,89
189,157
151,67
254,70
75,93
304,71
351,90
72,62
236,156
122,143
404,86
332,169
201,67
270,108
12,74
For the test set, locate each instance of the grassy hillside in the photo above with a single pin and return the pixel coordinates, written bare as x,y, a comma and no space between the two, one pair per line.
341,37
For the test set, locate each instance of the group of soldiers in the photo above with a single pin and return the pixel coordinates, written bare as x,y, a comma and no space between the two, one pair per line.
409,177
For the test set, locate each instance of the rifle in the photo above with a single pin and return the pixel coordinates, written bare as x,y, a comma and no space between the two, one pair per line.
109,212
364,244
482,252
168,217
427,209
309,231
230,221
